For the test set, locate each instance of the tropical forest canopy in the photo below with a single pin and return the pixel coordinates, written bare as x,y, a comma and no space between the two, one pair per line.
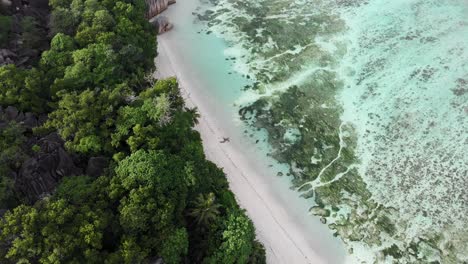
99,163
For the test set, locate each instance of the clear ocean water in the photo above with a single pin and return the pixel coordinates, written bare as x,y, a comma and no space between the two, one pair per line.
364,104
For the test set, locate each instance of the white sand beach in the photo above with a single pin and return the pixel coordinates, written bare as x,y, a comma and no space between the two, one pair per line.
284,239
287,232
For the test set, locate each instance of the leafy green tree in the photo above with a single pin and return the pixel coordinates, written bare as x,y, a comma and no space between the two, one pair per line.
90,8
132,252
155,174
175,246
55,60
76,190
23,220
205,209
55,232
11,157
96,26
134,36
258,254
76,225
132,128
103,20
77,7
32,35
153,191
238,239
93,66
22,88
11,139
92,83
87,36
63,20
59,54
35,94
54,4
11,84
137,124
85,119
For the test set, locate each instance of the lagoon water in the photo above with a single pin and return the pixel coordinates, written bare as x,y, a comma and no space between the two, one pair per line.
364,104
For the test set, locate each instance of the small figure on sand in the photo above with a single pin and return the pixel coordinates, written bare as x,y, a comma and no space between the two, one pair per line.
225,139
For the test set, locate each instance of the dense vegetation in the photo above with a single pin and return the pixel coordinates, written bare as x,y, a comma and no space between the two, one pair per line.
157,197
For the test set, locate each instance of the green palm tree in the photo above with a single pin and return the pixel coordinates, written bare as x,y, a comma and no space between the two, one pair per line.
205,209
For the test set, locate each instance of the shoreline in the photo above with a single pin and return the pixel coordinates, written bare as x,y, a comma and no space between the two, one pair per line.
281,246
287,237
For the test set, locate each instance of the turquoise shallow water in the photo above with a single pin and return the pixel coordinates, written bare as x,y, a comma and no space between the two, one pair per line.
407,98
406,95
210,68
375,92
364,102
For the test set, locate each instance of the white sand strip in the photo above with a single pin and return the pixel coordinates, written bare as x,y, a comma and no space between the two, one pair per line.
285,237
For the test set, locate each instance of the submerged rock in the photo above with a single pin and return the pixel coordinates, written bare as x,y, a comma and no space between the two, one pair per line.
316,210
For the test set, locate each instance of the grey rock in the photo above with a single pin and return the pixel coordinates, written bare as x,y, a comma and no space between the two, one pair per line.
43,4
5,2
157,260
162,24
156,7
7,53
7,57
19,117
11,113
29,121
2,212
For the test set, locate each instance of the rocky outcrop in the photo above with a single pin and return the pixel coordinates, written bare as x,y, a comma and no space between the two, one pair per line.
10,113
43,161
156,7
27,120
28,6
7,57
161,24
40,174
157,260
5,3
40,168
24,44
